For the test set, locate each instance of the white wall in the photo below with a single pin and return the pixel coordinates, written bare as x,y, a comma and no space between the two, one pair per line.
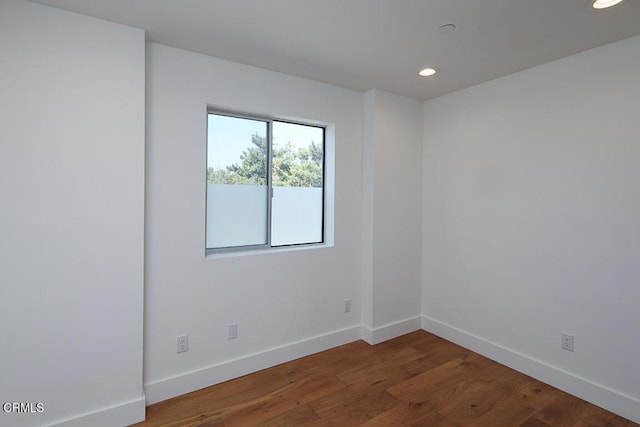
71,221
532,221
392,215
286,303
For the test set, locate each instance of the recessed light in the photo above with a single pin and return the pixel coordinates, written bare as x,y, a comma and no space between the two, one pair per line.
447,28
603,4
426,72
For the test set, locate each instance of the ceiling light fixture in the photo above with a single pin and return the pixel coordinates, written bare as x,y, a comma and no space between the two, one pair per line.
603,4
426,72
447,28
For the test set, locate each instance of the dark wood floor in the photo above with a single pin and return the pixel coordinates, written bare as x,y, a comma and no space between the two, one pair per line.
414,380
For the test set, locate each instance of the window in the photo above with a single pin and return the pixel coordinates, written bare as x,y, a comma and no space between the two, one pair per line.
265,183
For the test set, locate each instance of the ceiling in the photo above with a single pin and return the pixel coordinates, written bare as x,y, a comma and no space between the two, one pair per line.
367,44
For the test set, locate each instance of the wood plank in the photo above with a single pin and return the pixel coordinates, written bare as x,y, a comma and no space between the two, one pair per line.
569,411
354,405
387,369
484,400
302,415
435,419
524,397
448,381
402,415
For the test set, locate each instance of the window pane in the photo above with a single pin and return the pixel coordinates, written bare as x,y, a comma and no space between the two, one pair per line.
237,191
298,181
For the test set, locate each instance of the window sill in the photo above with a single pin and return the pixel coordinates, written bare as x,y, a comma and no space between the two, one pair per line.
266,251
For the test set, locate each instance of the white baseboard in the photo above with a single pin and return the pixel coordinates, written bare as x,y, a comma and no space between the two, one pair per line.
119,415
391,330
611,400
215,374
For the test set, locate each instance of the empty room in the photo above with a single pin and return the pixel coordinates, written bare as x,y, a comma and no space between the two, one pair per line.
304,213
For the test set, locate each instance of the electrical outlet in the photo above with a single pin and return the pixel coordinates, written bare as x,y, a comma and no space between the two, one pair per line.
347,306
567,342
183,343
232,331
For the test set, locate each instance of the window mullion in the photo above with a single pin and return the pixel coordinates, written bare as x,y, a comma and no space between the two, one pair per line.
269,178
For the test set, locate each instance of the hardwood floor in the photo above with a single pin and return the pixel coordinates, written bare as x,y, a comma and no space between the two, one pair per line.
414,380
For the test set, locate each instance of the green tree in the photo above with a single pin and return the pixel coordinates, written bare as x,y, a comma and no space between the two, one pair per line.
308,172
284,164
290,168
254,163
